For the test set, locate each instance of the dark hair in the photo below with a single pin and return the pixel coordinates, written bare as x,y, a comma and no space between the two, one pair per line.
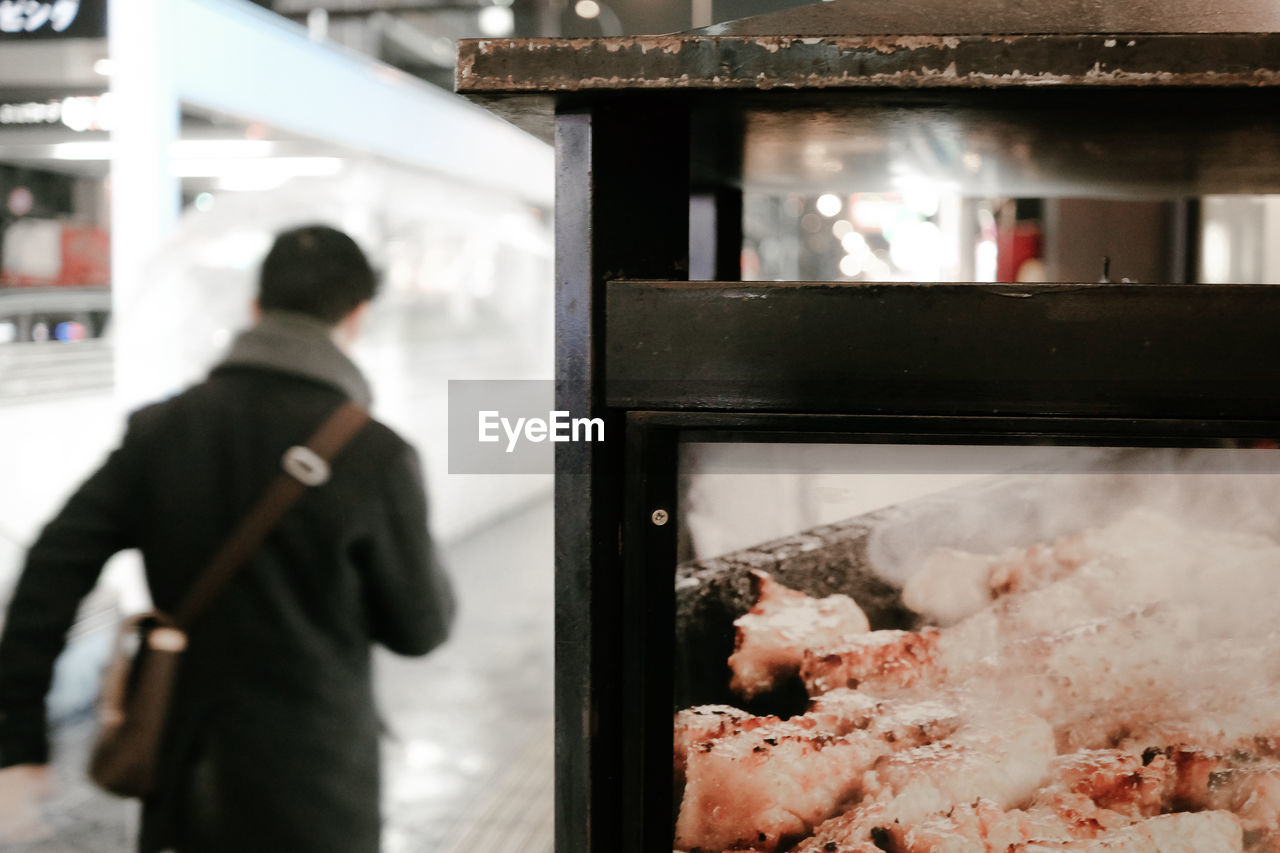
318,271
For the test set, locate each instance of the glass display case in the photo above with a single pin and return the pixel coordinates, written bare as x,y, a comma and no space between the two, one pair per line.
663,142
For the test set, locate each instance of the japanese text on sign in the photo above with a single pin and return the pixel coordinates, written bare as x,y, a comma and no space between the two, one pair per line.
28,16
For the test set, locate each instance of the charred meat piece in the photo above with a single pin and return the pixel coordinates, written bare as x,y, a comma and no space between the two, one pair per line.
1239,782
773,635
879,662
1131,785
906,725
708,722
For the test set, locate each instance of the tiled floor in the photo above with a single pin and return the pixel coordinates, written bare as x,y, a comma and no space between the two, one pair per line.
469,764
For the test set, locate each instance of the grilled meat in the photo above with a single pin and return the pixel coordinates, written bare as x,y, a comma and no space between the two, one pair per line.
1184,832
1130,785
1140,651
952,584
765,788
772,636
880,662
1003,762
757,782
706,723
984,826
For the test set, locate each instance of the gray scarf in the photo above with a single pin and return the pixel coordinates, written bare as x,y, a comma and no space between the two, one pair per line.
300,345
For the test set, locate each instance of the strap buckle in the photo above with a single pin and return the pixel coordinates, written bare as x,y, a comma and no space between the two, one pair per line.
305,466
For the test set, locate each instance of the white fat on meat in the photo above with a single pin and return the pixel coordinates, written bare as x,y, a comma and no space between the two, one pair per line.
769,787
984,826
773,634
952,584
758,782
1087,795
1003,761
1184,832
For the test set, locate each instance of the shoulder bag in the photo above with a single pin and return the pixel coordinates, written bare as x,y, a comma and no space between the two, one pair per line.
138,687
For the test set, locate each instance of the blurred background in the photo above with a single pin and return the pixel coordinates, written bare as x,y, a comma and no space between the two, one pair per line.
149,150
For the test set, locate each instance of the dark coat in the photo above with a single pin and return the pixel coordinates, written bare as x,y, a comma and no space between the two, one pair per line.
274,741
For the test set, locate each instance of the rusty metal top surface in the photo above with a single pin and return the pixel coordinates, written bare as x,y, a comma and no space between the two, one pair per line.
697,62
907,44
1010,17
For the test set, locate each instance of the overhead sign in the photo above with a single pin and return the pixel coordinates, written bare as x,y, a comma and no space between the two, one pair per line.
52,19
87,112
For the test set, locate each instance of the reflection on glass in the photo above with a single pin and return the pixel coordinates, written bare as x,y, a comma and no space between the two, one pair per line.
927,232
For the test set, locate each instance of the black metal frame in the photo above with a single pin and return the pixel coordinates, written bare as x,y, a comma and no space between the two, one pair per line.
1138,350
657,357
605,158
649,545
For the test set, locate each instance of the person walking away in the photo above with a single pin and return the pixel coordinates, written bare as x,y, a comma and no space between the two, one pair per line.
273,740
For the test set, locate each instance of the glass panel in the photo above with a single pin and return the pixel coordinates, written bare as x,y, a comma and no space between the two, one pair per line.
912,647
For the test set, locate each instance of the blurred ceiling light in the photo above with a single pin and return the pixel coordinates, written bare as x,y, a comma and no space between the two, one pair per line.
80,150
286,167
219,148
183,149
587,9
104,67
842,228
251,183
829,204
497,21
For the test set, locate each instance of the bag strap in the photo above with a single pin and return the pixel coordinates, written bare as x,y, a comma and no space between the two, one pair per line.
304,466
